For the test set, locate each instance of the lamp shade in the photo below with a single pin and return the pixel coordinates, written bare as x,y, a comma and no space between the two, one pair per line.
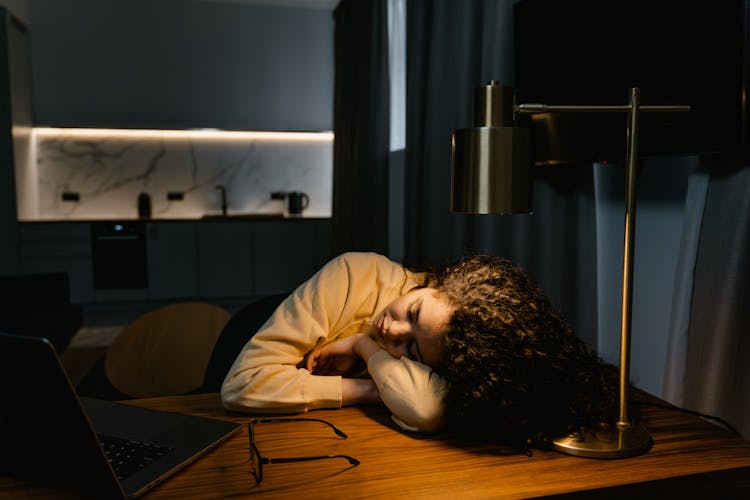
490,171
490,163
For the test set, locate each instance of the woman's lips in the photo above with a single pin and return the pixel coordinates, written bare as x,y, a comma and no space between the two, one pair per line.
378,330
381,327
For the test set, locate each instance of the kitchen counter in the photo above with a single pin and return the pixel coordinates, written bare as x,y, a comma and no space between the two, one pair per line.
204,218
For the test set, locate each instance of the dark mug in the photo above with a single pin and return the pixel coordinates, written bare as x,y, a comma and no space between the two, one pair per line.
296,202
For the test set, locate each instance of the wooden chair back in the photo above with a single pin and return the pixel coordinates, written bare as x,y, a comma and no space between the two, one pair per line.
166,351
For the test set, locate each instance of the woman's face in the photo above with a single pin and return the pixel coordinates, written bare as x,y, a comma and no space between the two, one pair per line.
414,325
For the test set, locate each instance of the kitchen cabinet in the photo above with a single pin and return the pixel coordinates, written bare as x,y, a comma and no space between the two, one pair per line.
259,258
237,260
225,266
172,259
287,253
66,246
53,247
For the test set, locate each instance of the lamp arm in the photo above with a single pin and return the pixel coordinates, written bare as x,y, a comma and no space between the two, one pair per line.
534,108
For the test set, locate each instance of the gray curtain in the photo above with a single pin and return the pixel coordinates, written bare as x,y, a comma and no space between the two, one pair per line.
452,47
709,344
361,124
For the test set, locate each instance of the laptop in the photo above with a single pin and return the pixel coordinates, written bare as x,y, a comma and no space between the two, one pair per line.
49,435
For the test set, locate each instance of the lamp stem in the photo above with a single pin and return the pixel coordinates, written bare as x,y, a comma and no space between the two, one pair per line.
631,165
626,439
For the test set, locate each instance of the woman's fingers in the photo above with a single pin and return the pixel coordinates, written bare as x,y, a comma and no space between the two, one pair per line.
312,361
319,362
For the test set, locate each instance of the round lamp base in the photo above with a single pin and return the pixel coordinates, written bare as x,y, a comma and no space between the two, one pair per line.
620,441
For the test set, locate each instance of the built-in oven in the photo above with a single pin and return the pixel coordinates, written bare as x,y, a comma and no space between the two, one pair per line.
119,255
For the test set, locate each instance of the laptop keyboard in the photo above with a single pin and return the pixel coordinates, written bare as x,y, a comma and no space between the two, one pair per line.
128,456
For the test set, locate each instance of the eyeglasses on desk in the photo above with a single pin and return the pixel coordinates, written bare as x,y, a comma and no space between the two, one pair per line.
259,460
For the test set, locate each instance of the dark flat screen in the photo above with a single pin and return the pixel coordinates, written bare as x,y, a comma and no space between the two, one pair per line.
592,51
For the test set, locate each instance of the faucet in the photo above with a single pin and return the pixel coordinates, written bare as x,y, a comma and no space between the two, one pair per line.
223,191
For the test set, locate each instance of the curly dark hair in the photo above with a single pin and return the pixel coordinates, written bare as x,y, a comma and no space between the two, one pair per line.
516,373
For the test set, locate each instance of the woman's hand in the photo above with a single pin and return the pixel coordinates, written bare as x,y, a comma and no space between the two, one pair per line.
343,356
337,358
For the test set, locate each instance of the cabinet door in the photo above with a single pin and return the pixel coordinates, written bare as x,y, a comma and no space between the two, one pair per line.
288,252
172,259
55,247
225,259
66,246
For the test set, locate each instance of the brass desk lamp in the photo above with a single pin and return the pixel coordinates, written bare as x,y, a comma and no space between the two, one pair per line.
491,173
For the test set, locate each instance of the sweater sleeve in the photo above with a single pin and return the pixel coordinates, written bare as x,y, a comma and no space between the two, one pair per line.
413,392
265,377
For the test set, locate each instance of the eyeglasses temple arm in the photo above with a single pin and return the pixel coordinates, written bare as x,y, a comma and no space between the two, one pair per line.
351,460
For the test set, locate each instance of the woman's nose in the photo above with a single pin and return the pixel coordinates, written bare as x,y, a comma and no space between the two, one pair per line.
396,335
397,329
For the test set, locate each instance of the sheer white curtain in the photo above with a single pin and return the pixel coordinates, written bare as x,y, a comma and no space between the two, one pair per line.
397,71
682,298
397,81
709,346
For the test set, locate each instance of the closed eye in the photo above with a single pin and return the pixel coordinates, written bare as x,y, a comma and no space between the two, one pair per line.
413,312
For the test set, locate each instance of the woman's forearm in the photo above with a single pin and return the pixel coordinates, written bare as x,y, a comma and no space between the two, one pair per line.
411,390
365,347
356,391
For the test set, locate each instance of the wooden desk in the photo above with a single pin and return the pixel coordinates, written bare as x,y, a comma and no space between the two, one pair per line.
691,458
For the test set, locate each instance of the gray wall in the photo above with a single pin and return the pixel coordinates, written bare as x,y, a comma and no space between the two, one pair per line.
182,64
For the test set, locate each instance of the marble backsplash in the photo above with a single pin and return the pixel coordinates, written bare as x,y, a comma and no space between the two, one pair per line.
103,172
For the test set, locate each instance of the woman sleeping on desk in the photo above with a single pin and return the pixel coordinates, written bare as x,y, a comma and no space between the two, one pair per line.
475,347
